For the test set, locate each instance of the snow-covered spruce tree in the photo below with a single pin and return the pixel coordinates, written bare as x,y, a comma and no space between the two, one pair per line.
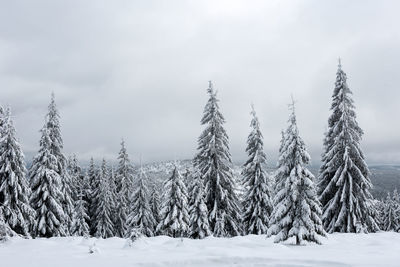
141,215
104,223
46,198
76,177
199,226
5,230
93,195
155,206
14,188
115,198
188,179
344,181
1,118
124,186
174,214
296,210
279,176
379,207
80,226
257,199
56,149
214,163
391,214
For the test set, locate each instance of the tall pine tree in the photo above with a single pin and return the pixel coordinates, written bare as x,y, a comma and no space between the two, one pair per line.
155,206
14,188
141,215
257,201
76,177
344,181
93,195
1,118
214,162
296,207
199,226
46,198
80,226
56,149
124,186
104,223
391,214
175,217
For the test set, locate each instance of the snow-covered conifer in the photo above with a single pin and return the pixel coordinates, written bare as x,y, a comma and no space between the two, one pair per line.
46,197
93,195
141,215
5,230
296,210
80,226
104,223
257,198
76,177
155,206
379,207
14,188
344,181
115,198
56,149
391,219
174,214
1,118
214,163
124,187
199,226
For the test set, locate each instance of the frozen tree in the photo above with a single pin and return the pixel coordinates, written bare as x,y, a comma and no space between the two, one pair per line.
93,195
104,223
278,176
344,181
199,226
174,214
46,198
391,219
14,188
257,198
5,230
155,206
56,149
188,179
296,207
76,177
80,226
141,215
213,160
1,118
124,186
379,207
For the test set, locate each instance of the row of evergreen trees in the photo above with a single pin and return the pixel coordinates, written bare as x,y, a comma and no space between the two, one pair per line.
60,199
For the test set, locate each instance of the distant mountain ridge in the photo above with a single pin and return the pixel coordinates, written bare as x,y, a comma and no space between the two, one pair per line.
385,178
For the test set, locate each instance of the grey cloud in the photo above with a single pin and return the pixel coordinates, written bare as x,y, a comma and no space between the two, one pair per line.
139,70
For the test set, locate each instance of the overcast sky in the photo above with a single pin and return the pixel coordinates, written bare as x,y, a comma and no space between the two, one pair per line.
140,69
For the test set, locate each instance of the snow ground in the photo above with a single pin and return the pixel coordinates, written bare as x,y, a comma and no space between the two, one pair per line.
380,249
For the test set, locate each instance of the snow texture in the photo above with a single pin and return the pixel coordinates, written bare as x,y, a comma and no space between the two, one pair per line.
357,250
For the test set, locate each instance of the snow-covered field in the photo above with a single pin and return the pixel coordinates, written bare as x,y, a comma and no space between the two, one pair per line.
381,249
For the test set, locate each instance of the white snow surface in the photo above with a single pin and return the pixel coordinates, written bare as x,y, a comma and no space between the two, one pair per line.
379,249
